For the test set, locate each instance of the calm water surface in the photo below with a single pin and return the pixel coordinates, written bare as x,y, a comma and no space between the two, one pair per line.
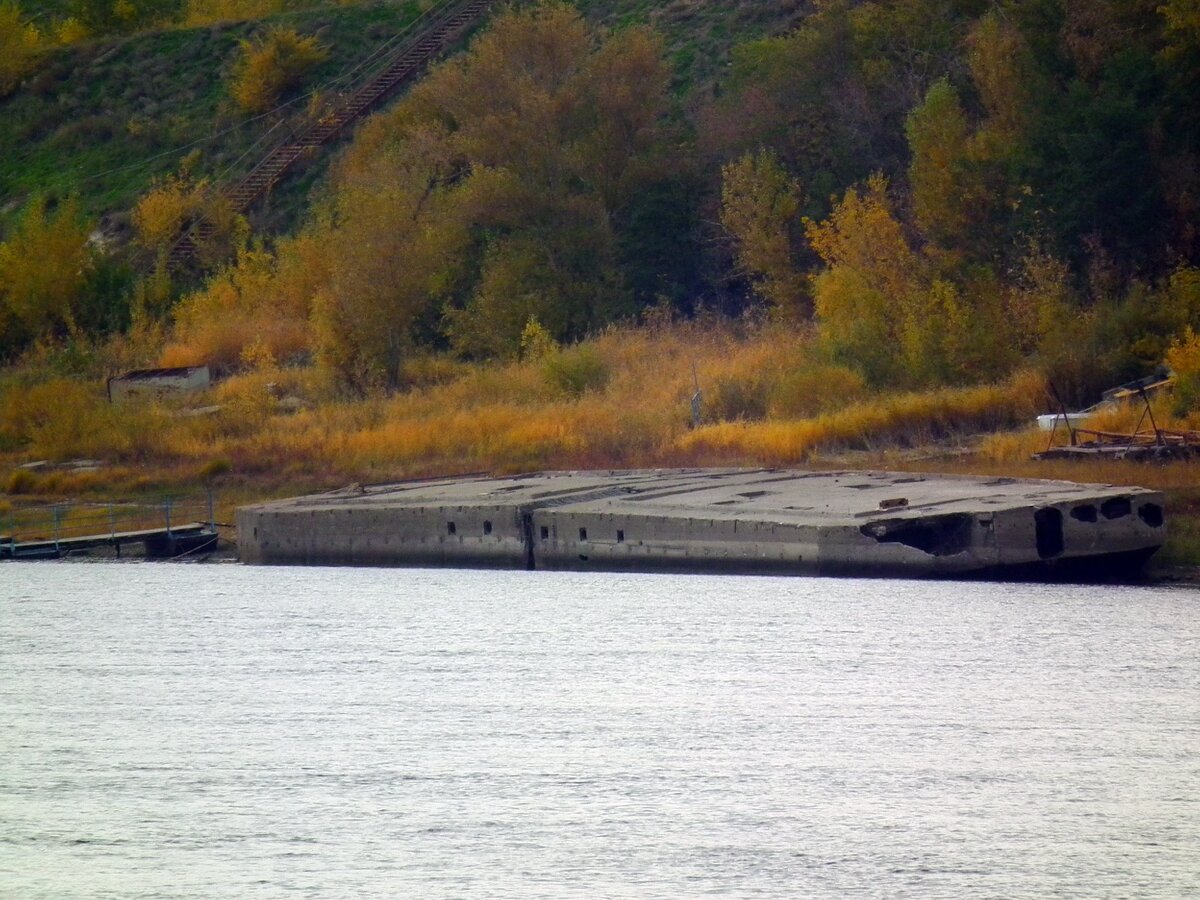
219,731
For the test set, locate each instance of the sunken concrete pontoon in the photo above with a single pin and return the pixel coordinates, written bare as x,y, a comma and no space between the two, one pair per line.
726,520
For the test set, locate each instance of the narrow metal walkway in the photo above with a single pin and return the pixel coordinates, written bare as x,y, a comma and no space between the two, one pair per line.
165,530
442,25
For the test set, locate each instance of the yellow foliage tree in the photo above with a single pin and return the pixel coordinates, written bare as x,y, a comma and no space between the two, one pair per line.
533,141
271,65
159,215
760,203
19,44
882,306
1183,357
484,199
44,266
1006,80
238,308
863,234
70,31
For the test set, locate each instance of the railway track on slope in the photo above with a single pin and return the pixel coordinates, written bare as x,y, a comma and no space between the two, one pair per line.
438,30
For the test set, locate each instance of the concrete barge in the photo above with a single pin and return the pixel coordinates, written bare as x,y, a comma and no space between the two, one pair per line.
721,520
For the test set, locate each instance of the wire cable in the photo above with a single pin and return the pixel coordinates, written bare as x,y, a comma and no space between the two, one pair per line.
322,88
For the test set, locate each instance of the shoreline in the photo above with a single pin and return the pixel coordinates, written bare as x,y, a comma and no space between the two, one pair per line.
1165,576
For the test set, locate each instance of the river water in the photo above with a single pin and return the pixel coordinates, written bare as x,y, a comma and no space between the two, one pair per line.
172,731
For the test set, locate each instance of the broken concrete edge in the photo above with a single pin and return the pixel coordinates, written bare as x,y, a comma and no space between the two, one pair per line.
699,520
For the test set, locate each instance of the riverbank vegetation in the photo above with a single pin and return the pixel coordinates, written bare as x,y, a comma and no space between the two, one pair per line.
867,233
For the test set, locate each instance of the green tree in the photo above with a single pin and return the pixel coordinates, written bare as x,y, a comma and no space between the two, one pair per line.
501,182
938,135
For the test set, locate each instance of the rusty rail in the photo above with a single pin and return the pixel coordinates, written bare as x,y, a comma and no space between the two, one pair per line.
432,34
165,528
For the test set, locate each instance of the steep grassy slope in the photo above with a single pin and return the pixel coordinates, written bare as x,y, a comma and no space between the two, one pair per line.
105,118
699,34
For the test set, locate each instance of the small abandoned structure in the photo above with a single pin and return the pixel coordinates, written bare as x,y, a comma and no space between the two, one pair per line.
1153,443
725,520
159,382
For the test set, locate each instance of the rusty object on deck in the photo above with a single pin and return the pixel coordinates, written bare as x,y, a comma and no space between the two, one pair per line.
1157,444
1153,444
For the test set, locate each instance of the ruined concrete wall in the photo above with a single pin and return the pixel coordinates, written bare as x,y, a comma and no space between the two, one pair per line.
541,530
569,540
475,537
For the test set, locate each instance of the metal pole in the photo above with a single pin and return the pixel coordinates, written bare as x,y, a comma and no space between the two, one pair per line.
167,510
57,521
211,518
1157,434
1063,409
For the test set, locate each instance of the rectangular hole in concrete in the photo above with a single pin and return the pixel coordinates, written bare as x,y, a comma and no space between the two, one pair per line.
1151,514
583,534
1116,508
620,536
1084,513
545,533
1048,527
450,528
487,527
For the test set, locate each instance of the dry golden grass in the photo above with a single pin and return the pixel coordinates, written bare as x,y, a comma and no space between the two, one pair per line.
910,419
279,430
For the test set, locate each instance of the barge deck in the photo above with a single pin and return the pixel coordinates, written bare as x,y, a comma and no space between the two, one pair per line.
764,521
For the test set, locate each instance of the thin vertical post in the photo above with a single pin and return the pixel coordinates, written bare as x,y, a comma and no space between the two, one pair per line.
211,518
167,510
1158,438
57,523
112,529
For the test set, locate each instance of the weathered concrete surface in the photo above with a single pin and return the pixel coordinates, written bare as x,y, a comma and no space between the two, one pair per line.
853,523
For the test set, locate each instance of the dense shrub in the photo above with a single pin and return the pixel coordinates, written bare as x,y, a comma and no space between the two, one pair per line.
272,65
735,397
576,370
809,391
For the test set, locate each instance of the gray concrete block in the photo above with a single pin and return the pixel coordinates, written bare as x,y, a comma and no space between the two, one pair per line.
722,520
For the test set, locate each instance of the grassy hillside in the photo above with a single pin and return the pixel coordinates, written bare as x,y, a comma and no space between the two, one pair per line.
699,35
104,118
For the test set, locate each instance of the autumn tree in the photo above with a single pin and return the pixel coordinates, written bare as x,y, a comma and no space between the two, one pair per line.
887,309
396,245
938,135
19,44
44,268
760,205
272,64
494,194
